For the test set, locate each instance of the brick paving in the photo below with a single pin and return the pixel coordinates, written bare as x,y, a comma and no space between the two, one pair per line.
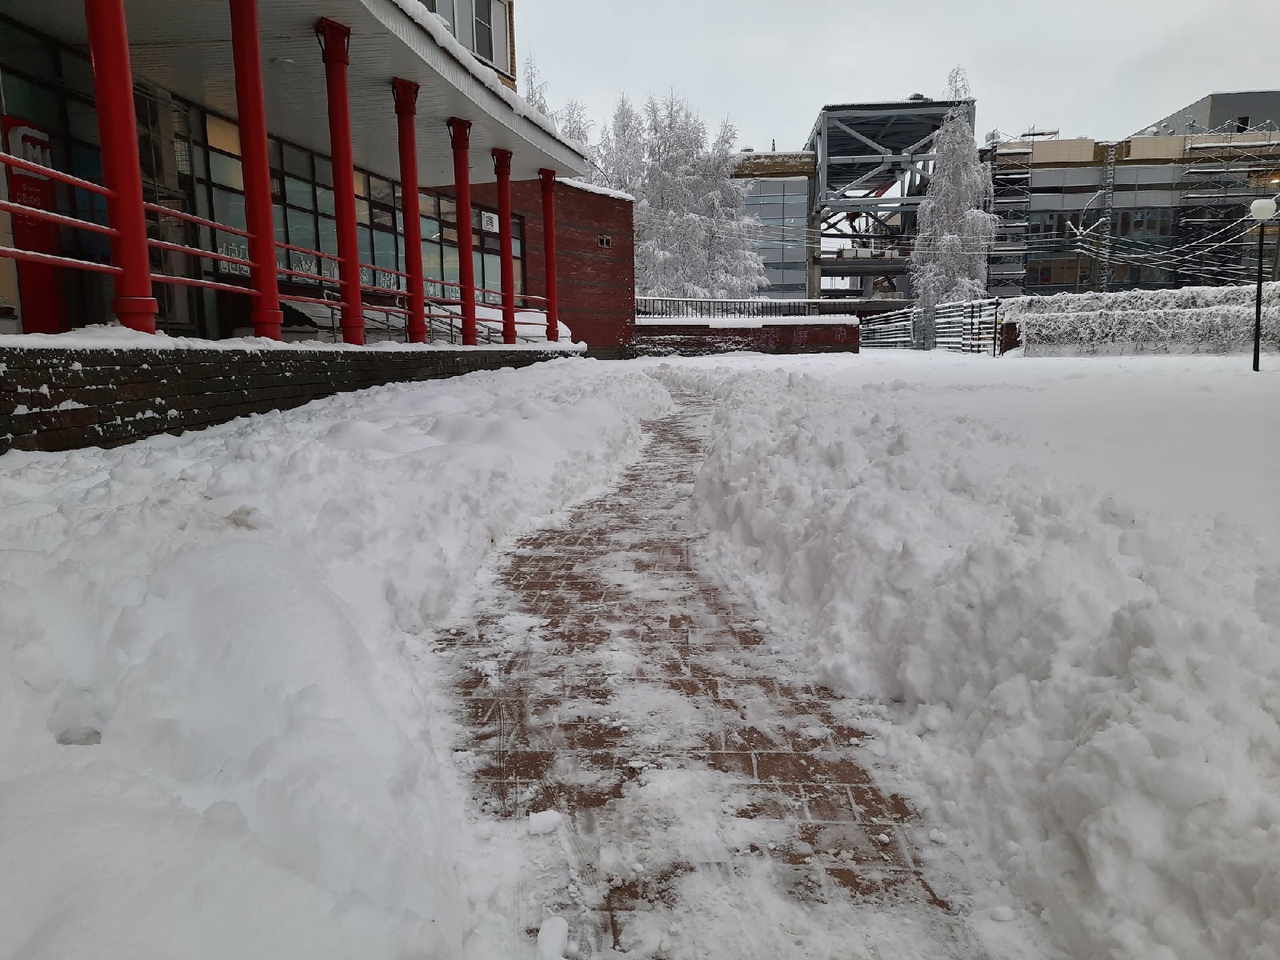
605,678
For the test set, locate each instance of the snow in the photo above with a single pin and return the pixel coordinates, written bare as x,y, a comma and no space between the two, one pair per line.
444,38
1185,320
1080,652
587,187
1052,586
113,336
231,624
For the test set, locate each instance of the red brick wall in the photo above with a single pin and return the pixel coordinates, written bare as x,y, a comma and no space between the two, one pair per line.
596,286
695,340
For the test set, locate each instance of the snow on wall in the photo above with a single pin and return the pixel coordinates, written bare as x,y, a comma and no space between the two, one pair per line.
1186,320
1089,688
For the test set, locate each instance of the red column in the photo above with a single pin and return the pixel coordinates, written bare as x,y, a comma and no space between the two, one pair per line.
406,95
335,41
460,134
502,167
549,241
250,103
134,305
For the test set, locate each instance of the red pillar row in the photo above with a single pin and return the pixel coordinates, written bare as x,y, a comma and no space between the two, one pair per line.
251,105
406,97
549,241
460,135
335,42
133,304
502,167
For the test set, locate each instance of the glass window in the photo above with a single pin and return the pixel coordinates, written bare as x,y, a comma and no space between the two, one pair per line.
297,162
431,267
302,228
298,192
225,170
448,210
444,8
384,217
366,244
493,276
484,29
362,184
324,201
274,153
223,135
430,229
384,253
429,204
362,211
380,191
324,171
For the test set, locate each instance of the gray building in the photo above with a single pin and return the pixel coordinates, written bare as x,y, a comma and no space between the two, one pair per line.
1165,208
779,196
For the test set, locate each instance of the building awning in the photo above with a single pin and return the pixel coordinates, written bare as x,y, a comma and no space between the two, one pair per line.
186,49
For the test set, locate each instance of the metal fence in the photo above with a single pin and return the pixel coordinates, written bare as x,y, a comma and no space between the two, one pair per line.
971,327
686,308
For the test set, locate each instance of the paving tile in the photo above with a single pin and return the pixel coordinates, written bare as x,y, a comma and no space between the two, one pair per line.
636,667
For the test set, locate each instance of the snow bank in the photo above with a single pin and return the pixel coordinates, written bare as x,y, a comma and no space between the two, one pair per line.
1187,320
1091,688
215,708
113,336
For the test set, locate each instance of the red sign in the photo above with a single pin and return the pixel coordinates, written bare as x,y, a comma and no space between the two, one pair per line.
37,282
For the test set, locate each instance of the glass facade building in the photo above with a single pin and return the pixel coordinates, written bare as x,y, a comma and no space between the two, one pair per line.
782,206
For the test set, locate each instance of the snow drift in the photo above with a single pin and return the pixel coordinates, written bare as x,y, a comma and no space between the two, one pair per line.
1093,690
215,704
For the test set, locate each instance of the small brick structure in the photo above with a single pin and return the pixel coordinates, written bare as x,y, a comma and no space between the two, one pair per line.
67,398
596,283
685,339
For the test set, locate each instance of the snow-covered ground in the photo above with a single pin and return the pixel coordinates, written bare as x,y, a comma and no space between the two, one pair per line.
1058,579
1065,574
237,616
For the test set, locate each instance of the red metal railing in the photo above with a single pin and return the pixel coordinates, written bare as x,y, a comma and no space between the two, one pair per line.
438,305
59,219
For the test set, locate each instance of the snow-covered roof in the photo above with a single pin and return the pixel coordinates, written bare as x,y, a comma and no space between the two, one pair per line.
595,188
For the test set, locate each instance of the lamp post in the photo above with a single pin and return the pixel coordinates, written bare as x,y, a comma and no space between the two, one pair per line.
1262,210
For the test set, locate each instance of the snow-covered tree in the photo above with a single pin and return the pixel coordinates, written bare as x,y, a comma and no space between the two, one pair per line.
693,237
954,229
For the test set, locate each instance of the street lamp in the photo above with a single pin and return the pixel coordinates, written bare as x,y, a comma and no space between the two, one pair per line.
1262,210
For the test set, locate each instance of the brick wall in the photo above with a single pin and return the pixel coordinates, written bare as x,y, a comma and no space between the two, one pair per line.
62,399
596,285
697,340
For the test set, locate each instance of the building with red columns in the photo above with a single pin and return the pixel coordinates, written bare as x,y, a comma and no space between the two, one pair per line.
298,171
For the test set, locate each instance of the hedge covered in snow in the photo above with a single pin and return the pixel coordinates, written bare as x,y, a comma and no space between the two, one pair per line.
1188,320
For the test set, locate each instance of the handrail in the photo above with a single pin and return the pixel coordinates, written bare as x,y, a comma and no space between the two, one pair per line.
13,253
308,250
201,282
8,159
199,221
197,252
21,209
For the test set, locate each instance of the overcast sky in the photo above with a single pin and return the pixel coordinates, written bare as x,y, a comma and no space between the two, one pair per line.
1097,68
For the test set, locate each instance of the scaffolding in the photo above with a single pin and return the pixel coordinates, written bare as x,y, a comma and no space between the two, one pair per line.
1011,182
874,163
1225,171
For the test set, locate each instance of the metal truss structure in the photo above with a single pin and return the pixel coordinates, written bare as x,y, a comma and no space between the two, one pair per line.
874,163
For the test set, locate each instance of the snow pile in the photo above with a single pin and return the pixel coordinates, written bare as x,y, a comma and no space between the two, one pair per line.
1187,320
1092,688
215,708
531,326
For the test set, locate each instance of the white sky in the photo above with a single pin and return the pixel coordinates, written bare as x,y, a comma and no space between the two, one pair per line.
1099,68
